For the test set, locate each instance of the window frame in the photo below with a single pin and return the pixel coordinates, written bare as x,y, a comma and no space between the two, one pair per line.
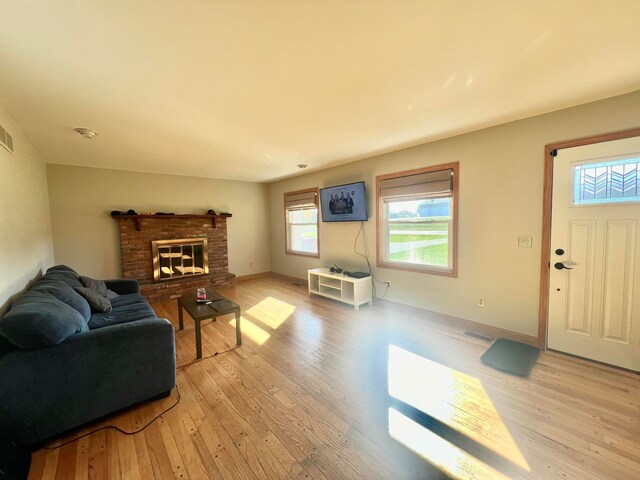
382,222
287,224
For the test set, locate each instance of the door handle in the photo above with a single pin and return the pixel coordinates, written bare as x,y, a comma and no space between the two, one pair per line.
561,266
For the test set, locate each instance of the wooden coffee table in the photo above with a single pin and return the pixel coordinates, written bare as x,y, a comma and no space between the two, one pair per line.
218,307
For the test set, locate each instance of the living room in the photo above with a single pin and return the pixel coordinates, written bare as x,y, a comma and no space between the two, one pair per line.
186,143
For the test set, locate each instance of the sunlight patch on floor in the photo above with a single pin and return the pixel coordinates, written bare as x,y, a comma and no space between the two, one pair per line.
452,397
440,453
271,311
251,330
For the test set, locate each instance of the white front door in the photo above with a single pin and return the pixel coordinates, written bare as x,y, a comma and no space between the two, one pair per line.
594,297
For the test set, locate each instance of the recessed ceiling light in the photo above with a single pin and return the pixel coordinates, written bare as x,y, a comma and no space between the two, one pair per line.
85,132
302,165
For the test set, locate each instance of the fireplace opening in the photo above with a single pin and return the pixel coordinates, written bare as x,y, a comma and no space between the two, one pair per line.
174,259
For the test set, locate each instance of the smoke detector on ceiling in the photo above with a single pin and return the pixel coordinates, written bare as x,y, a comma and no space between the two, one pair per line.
85,132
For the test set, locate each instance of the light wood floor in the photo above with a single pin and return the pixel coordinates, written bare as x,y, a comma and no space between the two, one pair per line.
319,391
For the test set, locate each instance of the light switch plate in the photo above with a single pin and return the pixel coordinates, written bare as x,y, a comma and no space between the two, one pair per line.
525,241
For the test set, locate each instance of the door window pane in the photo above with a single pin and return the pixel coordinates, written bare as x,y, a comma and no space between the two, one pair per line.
607,182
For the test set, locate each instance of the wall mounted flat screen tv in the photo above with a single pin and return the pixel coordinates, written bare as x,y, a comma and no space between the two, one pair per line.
344,203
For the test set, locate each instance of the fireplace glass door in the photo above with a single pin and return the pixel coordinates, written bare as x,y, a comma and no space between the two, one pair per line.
180,258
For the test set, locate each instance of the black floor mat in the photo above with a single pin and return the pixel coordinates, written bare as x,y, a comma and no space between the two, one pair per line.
511,357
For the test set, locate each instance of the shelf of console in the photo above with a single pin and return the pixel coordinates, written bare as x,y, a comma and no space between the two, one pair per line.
352,291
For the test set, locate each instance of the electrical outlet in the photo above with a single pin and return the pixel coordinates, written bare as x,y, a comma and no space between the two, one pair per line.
525,241
481,302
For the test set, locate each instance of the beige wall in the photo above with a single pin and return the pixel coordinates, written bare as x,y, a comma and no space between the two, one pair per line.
25,227
87,238
501,181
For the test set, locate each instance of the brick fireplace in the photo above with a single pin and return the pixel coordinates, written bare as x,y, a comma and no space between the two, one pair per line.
137,232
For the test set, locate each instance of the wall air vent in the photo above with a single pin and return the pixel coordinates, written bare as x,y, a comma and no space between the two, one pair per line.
5,139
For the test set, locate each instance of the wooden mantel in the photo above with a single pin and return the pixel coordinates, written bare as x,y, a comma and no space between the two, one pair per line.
138,218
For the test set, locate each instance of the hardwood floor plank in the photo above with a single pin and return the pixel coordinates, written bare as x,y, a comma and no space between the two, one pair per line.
50,465
160,461
125,452
38,460
81,467
142,454
98,456
191,460
214,455
65,469
174,453
111,451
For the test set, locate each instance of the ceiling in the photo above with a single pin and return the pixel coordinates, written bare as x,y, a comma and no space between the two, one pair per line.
247,90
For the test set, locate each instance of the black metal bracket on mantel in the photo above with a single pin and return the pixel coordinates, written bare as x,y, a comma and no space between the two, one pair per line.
138,218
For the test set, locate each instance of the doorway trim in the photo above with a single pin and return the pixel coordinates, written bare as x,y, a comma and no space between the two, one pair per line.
545,243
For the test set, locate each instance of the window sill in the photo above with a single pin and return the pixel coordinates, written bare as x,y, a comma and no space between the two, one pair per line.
419,269
302,254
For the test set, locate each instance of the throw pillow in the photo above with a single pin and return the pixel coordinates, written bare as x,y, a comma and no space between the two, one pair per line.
98,302
97,285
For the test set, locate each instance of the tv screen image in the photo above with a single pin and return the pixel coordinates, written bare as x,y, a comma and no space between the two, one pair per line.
344,203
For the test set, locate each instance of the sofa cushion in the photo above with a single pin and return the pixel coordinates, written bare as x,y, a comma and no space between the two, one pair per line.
54,283
125,308
97,301
130,299
38,319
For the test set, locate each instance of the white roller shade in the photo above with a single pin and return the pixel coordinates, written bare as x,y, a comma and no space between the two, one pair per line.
436,184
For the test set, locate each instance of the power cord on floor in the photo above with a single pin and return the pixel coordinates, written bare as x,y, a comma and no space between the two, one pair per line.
207,357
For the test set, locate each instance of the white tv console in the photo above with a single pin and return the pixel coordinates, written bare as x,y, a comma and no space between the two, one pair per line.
354,291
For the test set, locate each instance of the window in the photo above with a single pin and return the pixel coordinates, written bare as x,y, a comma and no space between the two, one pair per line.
417,213
607,182
301,218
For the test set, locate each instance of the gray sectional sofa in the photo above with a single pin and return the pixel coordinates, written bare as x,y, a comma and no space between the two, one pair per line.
62,365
